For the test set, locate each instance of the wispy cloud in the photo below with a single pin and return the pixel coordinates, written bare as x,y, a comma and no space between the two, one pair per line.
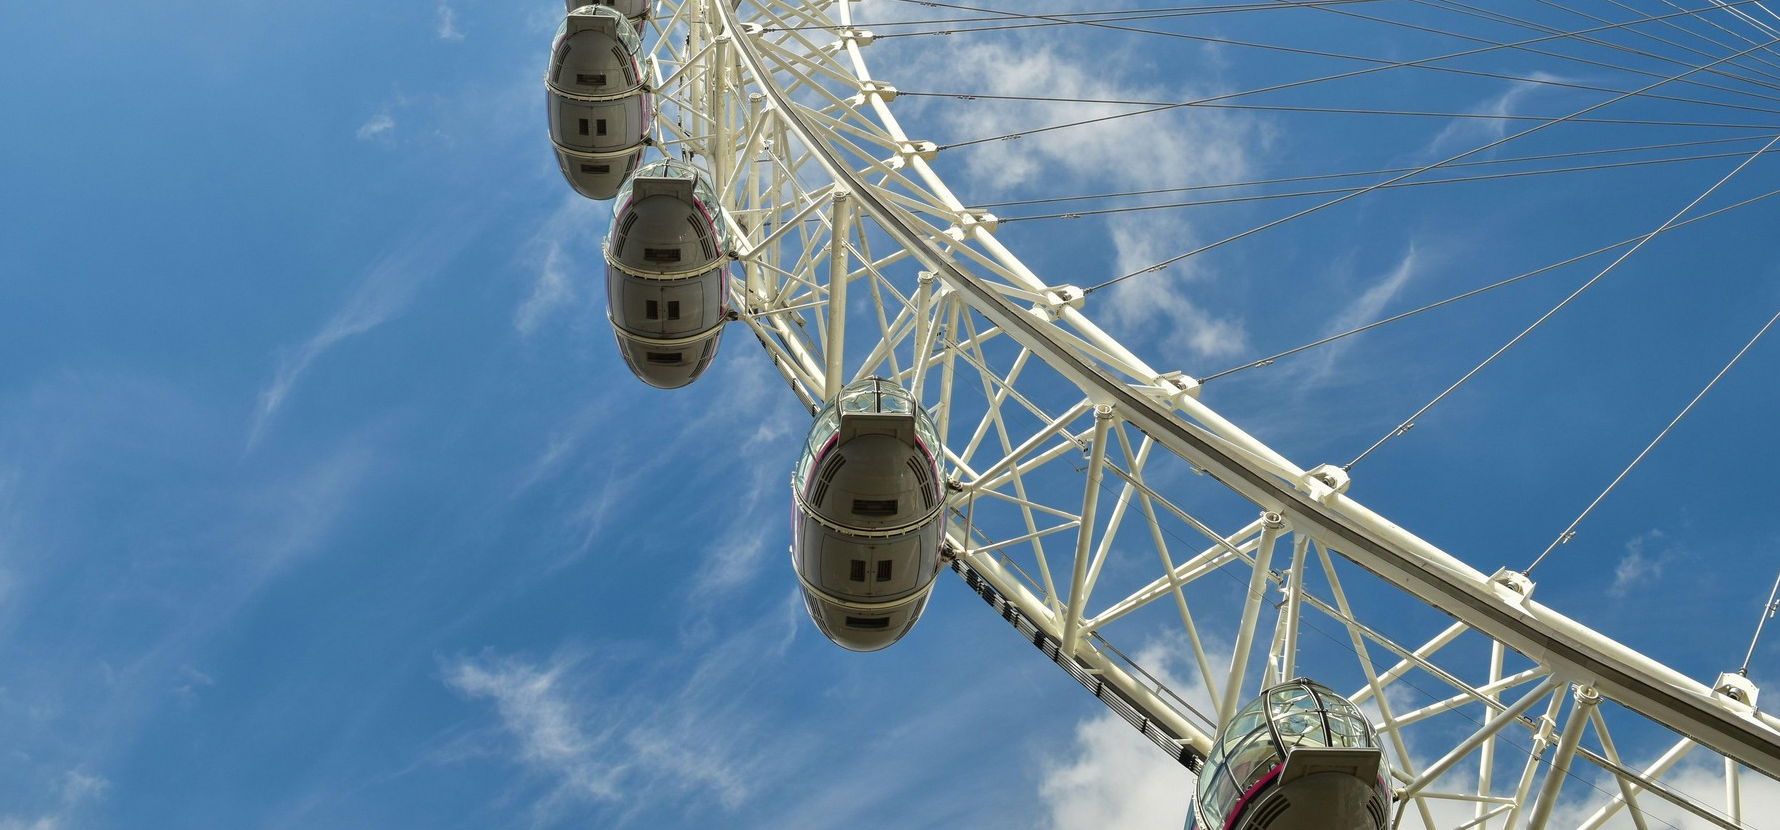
379,125
383,293
448,24
565,272
1465,133
1325,362
1646,555
1156,150
618,736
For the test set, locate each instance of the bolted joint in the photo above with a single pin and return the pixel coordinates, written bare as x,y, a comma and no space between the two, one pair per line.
1585,696
1326,481
1735,687
1103,411
858,37
1273,521
867,89
1511,586
970,221
1178,386
907,151
1052,302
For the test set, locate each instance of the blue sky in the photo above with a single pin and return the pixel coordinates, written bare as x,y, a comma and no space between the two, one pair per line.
325,500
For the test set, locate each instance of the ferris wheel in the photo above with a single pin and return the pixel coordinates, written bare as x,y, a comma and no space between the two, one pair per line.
1093,500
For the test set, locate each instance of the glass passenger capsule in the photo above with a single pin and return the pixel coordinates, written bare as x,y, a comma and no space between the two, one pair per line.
1299,757
599,108
666,281
868,515
636,10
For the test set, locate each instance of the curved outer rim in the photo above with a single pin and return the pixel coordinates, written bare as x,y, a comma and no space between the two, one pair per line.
1575,652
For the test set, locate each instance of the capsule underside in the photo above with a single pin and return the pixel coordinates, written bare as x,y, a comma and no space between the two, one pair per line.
598,142
666,283
667,329
868,524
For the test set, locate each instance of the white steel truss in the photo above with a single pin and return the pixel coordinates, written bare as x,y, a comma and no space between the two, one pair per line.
1097,500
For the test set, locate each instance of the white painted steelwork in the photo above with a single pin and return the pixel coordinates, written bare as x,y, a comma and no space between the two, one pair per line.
856,260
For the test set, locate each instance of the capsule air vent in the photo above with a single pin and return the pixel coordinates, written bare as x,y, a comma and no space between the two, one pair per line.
596,168
664,358
1376,808
868,622
597,79
874,507
824,476
661,254
1269,812
924,480
703,232
623,233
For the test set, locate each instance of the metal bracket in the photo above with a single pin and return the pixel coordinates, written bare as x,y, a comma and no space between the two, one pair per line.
1056,298
1325,481
1512,587
1180,384
906,150
861,37
867,89
1737,688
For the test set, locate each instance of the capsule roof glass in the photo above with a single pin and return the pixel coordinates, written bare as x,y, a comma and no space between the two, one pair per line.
627,31
1255,742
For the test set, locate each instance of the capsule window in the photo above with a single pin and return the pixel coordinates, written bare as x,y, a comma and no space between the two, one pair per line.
583,126
673,309
868,622
874,507
664,358
596,168
661,254
858,574
883,570
591,80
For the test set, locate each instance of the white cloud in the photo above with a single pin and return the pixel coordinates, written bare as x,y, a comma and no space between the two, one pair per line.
1116,777
1323,363
1641,564
1173,148
379,125
380,296
552,290
627,736
1465,133
448,24
565,271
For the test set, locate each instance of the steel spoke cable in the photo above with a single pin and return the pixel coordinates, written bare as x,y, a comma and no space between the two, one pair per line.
1357,173
1669,24
1487,14
1714,23
1409,422
1356,194
1260,197
1063,18
973,96
1272,358
1380,66
1570,530
1767,613
1576,59
1109,488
